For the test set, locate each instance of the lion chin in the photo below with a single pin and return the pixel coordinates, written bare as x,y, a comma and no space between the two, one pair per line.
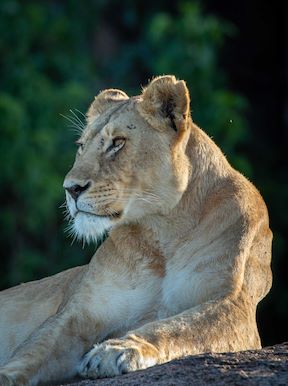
90,227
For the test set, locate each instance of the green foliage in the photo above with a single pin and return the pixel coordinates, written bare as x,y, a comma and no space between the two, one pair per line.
40,81
188,46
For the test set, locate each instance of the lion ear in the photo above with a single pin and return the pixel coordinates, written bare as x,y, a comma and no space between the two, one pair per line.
103,101
166,103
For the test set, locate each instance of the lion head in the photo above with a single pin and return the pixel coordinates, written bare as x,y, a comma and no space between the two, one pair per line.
131,159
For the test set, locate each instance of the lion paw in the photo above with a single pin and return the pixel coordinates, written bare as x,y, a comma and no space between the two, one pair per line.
115,357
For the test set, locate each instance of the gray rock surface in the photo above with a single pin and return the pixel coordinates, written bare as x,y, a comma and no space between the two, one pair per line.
268,366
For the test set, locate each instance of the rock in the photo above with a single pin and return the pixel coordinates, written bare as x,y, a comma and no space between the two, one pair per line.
268,366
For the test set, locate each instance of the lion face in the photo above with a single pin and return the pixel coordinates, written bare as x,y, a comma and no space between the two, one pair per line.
131,159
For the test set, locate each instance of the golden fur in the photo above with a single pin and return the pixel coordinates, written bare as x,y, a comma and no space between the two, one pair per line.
186,262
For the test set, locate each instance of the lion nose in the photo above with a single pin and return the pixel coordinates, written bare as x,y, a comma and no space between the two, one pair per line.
76,190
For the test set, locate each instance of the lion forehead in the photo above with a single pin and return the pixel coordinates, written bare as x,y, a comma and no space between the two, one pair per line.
120,112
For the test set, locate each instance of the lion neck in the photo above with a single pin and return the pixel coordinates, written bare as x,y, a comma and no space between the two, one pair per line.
209,168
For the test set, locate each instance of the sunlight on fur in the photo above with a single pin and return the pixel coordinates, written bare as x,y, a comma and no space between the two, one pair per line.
186,262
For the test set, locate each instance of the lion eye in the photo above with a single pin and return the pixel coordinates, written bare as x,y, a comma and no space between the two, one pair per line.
117,144
80,146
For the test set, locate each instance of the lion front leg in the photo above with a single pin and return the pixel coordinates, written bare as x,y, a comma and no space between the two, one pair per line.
52,352
216,326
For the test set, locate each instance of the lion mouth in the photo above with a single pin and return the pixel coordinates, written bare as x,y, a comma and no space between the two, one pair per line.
112,216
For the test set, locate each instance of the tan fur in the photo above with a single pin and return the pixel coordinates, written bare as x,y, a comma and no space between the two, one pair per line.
186,262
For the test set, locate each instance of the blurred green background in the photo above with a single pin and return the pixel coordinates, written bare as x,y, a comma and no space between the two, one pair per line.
56,55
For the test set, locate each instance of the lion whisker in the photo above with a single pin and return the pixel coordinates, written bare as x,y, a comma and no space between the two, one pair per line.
81,113
75,124
77,119
63,205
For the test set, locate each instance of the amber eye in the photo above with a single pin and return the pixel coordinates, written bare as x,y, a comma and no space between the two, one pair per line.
117,144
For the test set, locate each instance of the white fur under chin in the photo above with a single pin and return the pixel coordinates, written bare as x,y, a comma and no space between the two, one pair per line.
90,227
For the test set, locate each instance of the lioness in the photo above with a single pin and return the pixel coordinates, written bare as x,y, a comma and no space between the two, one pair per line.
185,264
